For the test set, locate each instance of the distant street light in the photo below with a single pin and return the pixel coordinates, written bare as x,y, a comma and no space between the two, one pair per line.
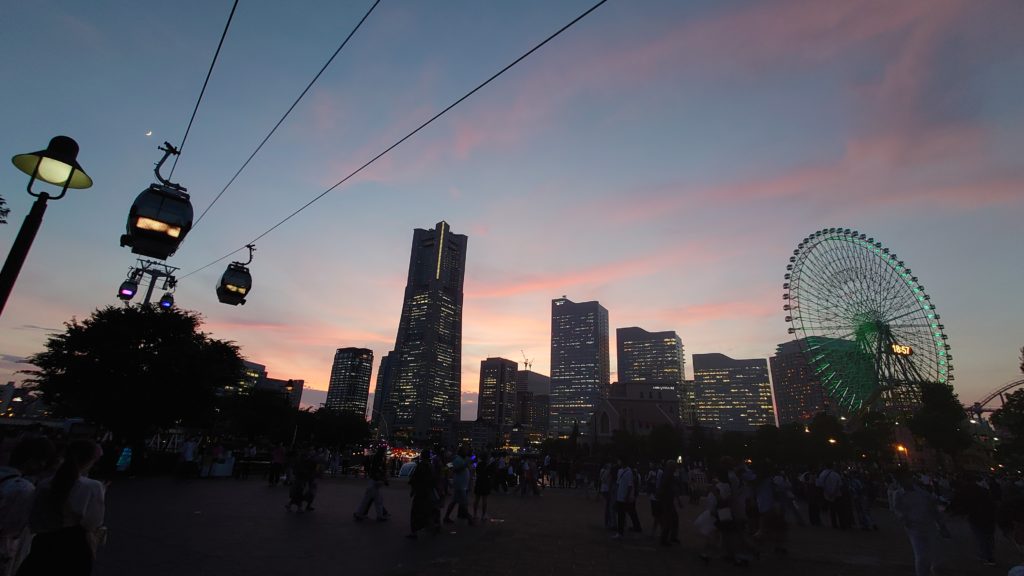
831,440
57,165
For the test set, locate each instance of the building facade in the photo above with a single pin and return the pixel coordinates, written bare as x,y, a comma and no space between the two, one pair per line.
349,387
533,403
654,357
424,401
497,399
385,378
799,395
580,365
637,408
290,390
732,394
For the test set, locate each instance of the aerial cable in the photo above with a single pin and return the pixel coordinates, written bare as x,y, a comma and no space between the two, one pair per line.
292,107
406,137
205,82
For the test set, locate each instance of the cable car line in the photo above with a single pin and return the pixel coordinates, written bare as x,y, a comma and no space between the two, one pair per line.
203,91
292,107
407,136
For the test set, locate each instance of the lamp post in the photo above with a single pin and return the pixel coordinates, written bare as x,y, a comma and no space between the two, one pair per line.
57,165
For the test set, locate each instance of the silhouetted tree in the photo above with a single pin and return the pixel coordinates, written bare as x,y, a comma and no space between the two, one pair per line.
941,420
134,369
326,427
1009,421
257,414
874,436
664,442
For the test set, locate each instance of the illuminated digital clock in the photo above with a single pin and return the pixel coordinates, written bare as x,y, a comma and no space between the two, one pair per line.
902,350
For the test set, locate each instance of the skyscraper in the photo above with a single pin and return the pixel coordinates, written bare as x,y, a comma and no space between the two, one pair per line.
533,401
799,395
732,394
580,369
426,392
497,403
385,378
654,358
349,387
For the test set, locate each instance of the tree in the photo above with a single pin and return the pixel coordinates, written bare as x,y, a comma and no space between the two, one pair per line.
135,369
1009,420
941,420
874,436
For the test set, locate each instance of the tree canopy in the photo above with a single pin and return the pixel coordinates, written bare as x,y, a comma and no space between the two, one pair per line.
133,369
941,419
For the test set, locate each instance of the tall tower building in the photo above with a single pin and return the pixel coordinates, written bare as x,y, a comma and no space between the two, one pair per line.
799,395
497,403
580,368
349,387
424,399
385,378
732,394
654,358
533,401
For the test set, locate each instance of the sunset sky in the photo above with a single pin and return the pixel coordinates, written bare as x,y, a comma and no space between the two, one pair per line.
664,158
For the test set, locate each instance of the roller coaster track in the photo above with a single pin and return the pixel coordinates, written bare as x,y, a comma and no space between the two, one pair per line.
979,407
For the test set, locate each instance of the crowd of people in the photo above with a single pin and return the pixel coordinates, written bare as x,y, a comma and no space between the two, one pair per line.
51,511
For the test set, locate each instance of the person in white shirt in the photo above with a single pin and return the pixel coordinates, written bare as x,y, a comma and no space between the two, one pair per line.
67,516
31,456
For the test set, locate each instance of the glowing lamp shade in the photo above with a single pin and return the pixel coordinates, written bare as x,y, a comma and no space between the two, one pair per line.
57,165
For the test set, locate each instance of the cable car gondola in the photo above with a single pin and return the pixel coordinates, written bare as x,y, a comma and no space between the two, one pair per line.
236,282
161,216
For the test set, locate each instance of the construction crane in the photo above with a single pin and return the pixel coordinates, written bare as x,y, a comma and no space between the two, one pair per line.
526,361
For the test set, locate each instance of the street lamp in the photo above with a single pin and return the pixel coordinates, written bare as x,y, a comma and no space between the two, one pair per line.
57,165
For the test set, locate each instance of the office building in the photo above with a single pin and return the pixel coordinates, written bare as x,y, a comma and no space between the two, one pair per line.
497,400
349,387
799,395
424,401
289,390
580,369
385,378
732,394
652,357
533,401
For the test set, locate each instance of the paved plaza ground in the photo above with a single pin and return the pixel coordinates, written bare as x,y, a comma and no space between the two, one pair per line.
223,527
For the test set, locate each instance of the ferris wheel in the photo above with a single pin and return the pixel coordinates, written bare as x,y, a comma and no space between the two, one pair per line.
867,328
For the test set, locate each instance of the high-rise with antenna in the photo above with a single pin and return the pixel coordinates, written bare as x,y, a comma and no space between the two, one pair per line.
425,396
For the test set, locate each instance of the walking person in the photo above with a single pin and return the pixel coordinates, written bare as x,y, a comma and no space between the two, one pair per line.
831,484
303,487
278,457
31,456
975,499
668,495
605,489
485,478
425,501
376,474
460,488
67,516
651,483
625,499
917,509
